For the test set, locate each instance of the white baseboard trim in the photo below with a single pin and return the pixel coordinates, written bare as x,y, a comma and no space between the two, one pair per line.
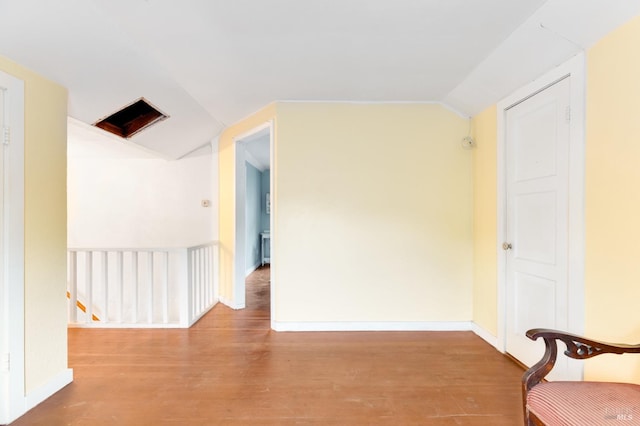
203,313
126,325
485,335
38,395
250,270
230,303
179,324
373,326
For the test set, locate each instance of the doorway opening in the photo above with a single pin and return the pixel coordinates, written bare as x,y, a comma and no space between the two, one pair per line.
254,209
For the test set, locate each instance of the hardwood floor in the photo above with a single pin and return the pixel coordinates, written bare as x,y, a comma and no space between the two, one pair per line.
231,369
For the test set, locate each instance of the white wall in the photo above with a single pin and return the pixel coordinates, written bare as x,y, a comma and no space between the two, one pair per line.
124,197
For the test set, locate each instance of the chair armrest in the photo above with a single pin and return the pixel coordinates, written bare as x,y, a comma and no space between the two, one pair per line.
578,347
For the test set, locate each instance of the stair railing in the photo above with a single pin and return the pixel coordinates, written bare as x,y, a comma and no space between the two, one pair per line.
134,287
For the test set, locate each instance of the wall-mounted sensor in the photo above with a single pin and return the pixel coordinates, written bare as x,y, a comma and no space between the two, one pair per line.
468,142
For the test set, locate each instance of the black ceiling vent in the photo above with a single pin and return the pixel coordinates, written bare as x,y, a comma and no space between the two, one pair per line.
131,119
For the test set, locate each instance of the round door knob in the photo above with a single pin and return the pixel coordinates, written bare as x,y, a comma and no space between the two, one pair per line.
506,246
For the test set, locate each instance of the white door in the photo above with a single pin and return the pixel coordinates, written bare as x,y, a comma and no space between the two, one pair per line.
537,228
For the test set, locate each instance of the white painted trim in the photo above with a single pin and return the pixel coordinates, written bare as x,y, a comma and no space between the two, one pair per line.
176,324
97,324
485,335
388,326
43,392
272,214
251,132
252,268
230,304
12,319
575,67
127,325
240,185
203,313
577,191
373,326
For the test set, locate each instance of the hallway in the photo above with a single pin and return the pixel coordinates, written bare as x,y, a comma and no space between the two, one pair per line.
231,369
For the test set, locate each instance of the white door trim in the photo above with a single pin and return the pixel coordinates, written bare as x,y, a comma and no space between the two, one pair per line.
272,214
575,68
12,319
239,276
240,185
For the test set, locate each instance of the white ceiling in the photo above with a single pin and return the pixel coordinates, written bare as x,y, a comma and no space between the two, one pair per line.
210,63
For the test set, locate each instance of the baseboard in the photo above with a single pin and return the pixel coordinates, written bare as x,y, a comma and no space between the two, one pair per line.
250,270
230,303
203,313
373,326
126,325
43,392
485,335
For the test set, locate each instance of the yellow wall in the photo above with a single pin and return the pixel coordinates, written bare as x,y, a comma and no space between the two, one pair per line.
373,213
612,199
485,293
45,226
226,174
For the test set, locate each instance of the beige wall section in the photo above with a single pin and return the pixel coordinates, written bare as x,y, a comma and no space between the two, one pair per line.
45,226
612,199
485,279
227,169
374,213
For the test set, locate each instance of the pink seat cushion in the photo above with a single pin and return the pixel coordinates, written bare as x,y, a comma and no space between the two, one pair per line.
585,403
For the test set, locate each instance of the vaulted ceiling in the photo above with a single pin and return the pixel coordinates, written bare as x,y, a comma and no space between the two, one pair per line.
210,63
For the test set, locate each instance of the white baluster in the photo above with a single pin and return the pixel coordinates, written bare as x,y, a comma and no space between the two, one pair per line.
120,280
73,287
165,296
105,281
88,274
151,285
134,276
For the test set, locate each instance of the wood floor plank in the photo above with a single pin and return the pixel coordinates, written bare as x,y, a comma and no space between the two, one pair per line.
231,369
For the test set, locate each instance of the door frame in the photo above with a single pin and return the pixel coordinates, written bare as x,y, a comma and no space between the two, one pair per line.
575,69
12,350
239,272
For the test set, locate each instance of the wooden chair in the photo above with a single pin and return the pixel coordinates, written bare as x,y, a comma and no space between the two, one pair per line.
577,403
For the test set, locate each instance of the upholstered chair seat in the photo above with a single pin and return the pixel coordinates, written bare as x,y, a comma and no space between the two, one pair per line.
585,403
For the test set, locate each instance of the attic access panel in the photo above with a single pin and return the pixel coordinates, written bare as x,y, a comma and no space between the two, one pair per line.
131,119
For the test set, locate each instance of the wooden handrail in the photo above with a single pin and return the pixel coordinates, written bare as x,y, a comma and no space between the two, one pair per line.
82,307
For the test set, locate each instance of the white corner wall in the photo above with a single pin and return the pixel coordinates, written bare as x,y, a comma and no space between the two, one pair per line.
140,201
